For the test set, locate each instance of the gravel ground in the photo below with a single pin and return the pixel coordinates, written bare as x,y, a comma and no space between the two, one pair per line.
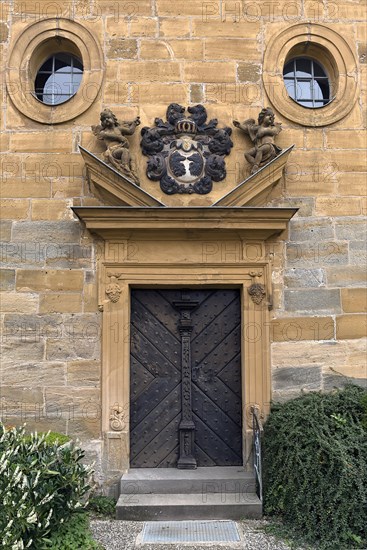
124,535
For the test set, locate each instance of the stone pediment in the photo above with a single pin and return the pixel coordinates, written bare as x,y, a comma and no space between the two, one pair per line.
252,191
115,189
111,186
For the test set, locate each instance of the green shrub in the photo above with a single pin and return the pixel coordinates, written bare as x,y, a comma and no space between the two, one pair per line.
315,468
74,534
41,485
104,506
55,437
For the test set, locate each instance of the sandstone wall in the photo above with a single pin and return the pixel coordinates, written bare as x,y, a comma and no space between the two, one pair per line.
156,52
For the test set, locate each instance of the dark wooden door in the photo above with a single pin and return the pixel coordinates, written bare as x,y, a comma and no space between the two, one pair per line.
155,378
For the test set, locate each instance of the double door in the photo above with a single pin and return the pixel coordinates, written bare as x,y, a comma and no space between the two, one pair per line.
157,379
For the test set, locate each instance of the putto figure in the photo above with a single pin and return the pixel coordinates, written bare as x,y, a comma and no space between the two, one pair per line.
113,133
262,136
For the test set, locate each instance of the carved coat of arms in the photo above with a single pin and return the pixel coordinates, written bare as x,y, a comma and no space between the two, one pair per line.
186,154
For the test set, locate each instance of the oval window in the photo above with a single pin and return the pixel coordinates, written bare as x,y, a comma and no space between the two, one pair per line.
58,79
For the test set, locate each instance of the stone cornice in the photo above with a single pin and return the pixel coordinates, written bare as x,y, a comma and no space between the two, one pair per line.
254,223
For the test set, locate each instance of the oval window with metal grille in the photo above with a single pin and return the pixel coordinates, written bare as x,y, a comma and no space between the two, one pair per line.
58,79
306,82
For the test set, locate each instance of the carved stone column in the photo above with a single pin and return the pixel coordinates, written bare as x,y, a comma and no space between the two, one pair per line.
186,459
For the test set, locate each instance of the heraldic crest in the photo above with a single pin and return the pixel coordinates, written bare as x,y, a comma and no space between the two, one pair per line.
186,154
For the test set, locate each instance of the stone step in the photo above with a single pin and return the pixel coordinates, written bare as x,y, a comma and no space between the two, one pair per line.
156,507
230,479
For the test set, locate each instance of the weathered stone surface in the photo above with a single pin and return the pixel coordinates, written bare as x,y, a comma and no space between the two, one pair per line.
72,348
358,253
338,206
47,231
7,279
196,93
20,402
14,209
305,208
15,348
297,378
354,300
248,72
34,375
317,253
36,420
311,229
333,380
173,28
312,300
4,31
304,278
210,71
40,254
83,373
126,48
235,48
50,279
351,326
60,303
352,229
42,142
5,230
24,303
331,354
294,329
88,427
344,277
51,209
72,403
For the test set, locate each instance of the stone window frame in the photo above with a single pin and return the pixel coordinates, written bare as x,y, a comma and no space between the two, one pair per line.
332,51
31,48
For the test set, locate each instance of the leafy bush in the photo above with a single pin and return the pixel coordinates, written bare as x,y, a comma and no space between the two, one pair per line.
74,534
55,437
104,506
41,485
315,468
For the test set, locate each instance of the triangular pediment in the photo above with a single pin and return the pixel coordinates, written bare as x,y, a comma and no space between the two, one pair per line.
254,189
115,189
112,187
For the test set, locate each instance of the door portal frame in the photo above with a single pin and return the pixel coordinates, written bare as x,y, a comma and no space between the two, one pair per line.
182,247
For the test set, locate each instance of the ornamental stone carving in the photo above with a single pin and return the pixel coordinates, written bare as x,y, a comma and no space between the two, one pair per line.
113,290
117,418
257,293
186,154
112,132
262,136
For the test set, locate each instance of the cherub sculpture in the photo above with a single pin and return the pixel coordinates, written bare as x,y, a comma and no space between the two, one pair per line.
262,136
113,133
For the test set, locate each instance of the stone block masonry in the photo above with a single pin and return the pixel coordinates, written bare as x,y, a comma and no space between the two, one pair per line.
156,52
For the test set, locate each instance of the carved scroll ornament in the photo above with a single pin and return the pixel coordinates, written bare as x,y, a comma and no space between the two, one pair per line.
117,423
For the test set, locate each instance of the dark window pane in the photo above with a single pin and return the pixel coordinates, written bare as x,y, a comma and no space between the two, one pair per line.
318,70
324,87
303,67
289,69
